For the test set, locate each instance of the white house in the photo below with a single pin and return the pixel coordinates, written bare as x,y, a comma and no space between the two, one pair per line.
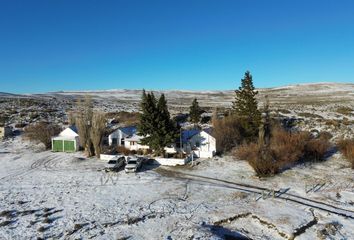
66,141
204,144
201,142
118,136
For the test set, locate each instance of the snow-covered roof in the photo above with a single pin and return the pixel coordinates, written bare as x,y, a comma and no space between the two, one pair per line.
69,132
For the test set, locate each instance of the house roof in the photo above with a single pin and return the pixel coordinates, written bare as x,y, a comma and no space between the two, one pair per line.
130,130
74,128
69,132
209,131
134,138
188,134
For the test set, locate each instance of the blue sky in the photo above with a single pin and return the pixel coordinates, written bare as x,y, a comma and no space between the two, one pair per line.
82,45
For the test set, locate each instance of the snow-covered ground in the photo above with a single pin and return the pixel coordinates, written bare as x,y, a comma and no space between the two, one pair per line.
66,196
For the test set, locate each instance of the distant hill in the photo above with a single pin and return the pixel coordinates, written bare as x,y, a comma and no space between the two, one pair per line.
311,93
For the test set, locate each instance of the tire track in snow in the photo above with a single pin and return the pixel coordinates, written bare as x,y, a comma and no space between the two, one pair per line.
307,202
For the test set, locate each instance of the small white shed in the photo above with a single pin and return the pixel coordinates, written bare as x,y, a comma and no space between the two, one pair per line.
66,141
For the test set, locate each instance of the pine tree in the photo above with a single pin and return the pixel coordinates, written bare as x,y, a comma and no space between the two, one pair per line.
245,107
155,123
195,112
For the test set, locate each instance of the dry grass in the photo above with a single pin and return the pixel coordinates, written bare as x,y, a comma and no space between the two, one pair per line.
346,147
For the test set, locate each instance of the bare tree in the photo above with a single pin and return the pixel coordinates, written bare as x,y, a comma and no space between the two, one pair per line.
84,122
42,132
71,118
98,129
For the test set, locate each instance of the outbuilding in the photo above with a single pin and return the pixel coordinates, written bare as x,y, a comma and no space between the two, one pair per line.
5,131
66,141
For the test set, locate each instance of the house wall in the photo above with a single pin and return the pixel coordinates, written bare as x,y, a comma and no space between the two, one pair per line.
171,161
119,135
135,147
5,132
207,145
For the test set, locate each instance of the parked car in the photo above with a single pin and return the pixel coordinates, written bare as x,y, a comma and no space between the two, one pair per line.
133,165
115,163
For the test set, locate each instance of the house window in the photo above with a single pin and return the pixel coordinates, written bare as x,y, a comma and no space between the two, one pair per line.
132,143
114,141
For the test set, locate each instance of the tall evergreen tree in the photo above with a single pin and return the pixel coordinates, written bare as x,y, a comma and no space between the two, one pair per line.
245,107
155,123
195,112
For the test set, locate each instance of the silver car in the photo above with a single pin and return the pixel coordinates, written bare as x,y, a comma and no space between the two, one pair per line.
133,165
115,163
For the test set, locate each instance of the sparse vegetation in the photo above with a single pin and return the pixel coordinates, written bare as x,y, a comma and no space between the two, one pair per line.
42,132
346,147
285,149
309,115
345,111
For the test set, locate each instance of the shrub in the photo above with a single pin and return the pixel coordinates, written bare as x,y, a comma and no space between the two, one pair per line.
42,132
325,135
288,147
346,147
285,149
259,159
227,132
123,150
316,149
20,125
345,111
309,115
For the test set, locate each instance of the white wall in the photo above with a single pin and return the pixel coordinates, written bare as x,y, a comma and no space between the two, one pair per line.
106,157
134,147
207,145
171,161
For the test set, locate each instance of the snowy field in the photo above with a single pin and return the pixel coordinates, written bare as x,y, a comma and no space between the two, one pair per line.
66,196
